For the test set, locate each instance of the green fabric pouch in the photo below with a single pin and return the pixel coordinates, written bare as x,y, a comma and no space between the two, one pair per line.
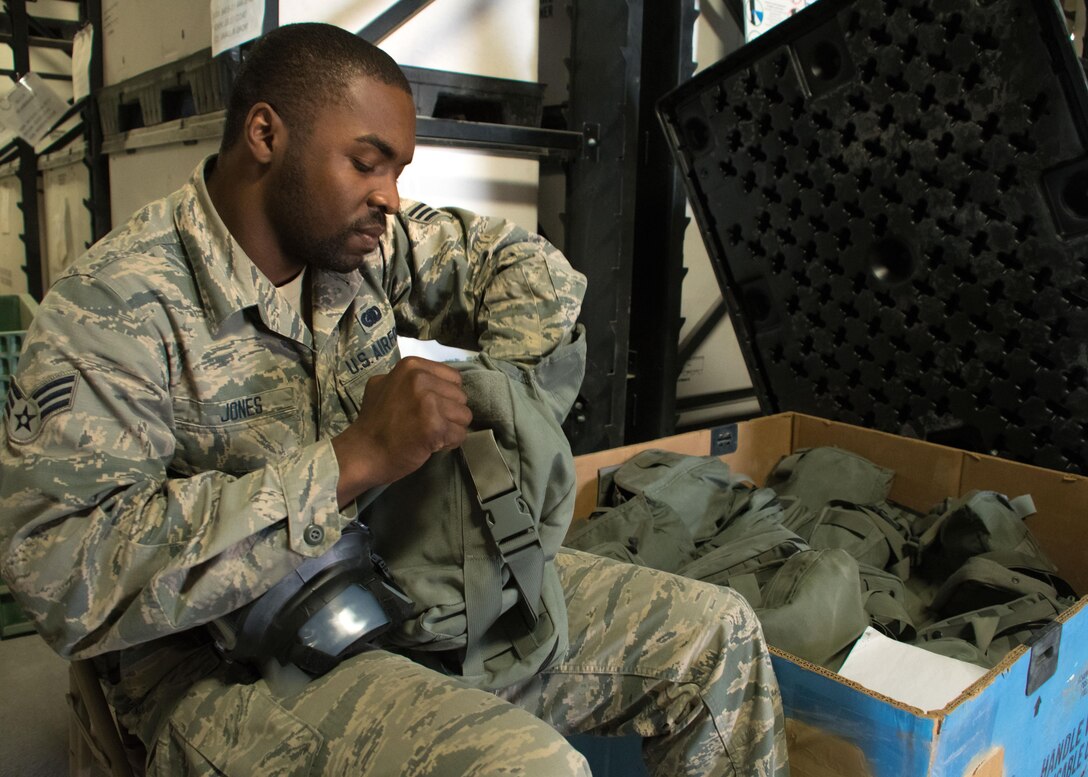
816,476
751,551
641,531
1034,565
996,578
700,489
978,522
469,602
813,606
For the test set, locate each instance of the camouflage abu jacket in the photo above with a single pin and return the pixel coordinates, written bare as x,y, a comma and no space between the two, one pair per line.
166,455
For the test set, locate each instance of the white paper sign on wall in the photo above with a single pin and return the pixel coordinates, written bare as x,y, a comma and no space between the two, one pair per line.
31,108
234,22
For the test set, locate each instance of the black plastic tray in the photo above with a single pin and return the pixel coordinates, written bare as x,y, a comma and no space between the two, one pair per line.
894,195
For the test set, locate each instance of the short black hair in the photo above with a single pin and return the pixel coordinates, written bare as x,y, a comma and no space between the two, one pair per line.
299,68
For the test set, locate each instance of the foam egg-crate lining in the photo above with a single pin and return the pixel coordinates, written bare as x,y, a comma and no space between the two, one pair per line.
895,194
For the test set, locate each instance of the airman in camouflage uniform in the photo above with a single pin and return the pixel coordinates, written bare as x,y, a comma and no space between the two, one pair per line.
179,436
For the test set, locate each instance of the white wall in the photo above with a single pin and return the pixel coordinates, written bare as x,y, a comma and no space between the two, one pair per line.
140,35
139,177
484,37
480,37
12,250
66,221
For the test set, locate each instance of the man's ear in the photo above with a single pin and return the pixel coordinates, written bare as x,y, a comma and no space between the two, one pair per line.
264,132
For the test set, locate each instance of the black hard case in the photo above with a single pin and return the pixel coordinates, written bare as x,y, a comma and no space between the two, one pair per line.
894,195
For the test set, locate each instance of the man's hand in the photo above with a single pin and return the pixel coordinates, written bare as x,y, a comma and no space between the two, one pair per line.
406,415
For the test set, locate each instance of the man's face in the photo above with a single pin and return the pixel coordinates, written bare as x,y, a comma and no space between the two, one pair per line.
329,196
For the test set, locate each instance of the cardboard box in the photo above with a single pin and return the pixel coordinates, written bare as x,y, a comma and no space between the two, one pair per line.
998,726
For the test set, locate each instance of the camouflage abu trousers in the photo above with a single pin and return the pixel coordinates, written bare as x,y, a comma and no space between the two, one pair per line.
681,663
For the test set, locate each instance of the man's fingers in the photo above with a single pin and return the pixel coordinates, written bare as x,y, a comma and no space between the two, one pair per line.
406,415
451,425
427,377
440,413
438,369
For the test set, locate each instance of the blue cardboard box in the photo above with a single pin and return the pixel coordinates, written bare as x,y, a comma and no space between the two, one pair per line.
1028,717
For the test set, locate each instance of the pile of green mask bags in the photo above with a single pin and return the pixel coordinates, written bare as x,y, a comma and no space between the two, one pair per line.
821,554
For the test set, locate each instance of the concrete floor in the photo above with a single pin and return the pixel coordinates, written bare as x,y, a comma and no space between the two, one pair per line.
33,709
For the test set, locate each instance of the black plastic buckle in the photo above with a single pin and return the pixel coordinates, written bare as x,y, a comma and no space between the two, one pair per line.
514,533
510,523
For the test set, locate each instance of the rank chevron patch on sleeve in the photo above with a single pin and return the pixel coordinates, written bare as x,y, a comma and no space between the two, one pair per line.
26,413
421,212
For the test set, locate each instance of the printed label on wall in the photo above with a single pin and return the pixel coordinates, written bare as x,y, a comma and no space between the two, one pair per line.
761,15
235,22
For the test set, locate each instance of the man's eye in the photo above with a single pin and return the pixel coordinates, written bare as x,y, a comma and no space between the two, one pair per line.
362,167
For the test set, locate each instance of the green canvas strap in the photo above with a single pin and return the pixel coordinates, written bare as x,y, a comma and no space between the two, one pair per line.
860,521
889,615
759,498
483,604
748,587
752,554
1003,622
784,469
508,521
902,548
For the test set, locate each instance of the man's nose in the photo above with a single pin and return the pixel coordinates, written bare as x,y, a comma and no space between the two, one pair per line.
386,197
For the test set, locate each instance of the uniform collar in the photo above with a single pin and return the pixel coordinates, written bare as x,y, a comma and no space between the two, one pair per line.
229,282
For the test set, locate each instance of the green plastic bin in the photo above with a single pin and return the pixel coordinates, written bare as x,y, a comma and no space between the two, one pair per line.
16,313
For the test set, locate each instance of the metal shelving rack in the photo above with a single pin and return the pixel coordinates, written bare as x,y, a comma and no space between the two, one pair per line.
23,31
659,225
626,217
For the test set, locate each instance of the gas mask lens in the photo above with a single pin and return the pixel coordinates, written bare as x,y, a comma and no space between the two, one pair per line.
349,616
